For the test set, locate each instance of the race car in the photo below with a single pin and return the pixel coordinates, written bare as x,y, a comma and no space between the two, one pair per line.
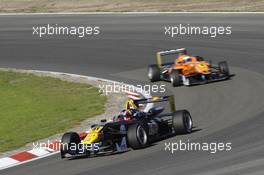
132,128
186,70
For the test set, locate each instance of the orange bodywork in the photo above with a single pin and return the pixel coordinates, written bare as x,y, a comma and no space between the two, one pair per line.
189,65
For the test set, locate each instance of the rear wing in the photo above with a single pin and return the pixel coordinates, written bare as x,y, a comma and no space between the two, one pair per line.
168,52
157,99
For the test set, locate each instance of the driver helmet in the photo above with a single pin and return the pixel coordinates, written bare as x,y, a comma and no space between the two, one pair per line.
187,59
125,114
130,104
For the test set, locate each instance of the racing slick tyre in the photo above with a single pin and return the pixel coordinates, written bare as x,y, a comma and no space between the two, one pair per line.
154,73
137,136
175,78
68,139
182,122
223,67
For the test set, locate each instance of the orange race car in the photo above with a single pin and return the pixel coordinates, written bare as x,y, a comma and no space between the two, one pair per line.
187,70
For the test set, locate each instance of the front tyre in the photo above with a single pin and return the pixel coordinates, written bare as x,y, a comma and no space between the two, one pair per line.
154,73
223,67
175,78
137,136
69,140
182,122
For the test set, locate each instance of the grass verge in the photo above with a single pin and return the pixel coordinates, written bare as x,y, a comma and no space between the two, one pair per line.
34,107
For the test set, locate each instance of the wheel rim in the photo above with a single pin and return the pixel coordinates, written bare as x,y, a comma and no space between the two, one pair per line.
187,82
171,78
150,74
223,70
188,122
141,135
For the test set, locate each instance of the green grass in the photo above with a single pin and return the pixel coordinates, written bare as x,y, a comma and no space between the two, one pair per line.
33,107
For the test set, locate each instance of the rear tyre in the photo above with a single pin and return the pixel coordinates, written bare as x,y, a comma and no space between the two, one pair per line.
223,67
175,78
68,140
182,122
154,73
137,136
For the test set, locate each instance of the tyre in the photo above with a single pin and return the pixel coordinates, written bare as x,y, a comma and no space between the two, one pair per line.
154,73
175,78
223,67
182,122
69,139
137,136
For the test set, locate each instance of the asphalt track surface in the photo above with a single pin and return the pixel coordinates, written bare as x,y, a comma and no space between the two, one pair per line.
228,111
